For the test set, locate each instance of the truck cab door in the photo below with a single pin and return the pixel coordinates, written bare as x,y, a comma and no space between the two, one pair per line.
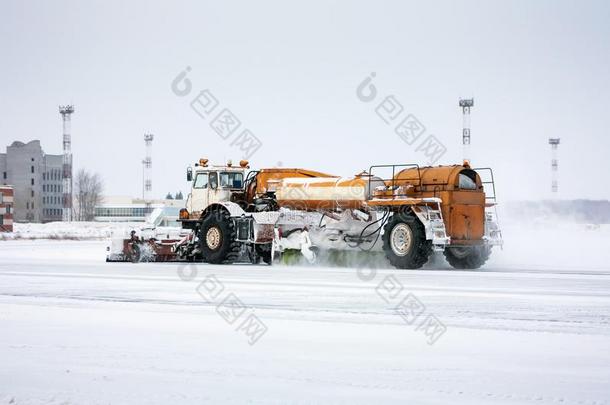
199,198
216,193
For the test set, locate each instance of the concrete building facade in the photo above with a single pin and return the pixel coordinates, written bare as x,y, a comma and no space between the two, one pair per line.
36,179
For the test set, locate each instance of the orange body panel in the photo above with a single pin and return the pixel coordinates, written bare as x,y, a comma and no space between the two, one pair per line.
463,210
322,193
267,180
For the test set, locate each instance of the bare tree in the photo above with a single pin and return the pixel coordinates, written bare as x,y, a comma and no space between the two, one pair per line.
88,193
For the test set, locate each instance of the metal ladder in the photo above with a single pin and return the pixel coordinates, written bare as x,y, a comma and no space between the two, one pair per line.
435,230
491,213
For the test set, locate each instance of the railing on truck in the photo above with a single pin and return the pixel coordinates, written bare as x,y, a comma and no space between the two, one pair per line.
488,180
390,183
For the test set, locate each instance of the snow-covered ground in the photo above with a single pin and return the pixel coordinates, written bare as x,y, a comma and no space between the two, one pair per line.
79,230
66,230
533,326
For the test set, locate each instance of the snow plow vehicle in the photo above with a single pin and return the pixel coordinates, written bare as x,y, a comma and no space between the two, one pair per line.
405,211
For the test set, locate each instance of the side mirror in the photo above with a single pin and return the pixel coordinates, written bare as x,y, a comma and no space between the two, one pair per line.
189,174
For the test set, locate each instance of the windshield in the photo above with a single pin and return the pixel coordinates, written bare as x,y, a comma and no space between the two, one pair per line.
231,179
466,182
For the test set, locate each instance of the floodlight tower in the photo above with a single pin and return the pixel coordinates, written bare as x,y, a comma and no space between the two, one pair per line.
466,104
554,142
147,172
66,112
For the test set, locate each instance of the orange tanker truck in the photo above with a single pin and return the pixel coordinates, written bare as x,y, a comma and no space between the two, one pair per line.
406,211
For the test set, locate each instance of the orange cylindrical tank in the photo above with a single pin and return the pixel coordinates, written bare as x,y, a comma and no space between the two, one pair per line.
322,193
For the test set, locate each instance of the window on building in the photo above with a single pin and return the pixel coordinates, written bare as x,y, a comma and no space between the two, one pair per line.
32,168
4,175
32,181
8,209
1,219
27,205
1,198
32,193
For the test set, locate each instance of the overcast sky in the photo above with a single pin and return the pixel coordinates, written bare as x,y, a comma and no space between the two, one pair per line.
289,71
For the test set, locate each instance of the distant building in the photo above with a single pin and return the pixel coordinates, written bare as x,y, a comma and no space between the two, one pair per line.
128,209
36,179
6,209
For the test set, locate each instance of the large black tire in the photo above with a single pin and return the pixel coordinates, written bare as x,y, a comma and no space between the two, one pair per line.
404,242
217,238
467,257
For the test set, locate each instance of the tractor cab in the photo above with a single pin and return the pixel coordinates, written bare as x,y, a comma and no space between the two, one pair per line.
213,184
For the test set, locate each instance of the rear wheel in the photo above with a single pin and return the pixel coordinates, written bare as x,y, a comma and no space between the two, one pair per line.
217,238
404,242
467,257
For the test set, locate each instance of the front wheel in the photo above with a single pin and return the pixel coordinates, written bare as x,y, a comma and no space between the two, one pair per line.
467,257
217,238
404,242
